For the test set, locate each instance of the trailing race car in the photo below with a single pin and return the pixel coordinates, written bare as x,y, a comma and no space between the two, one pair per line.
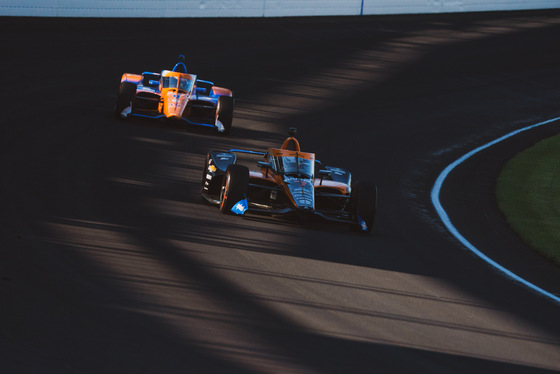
174,94
288,181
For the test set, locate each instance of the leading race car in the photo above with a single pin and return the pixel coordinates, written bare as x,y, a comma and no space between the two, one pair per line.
174,94
288,181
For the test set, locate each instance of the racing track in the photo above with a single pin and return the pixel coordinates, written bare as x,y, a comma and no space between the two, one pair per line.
110,263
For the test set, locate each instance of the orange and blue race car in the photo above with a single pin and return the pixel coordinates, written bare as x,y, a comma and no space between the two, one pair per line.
288,181
175,94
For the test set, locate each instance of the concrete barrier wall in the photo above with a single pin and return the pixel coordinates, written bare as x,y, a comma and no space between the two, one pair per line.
255,8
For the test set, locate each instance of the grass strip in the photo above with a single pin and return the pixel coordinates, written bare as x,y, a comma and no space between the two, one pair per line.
528,193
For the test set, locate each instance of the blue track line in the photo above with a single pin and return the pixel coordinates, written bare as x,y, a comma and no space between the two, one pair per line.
447,222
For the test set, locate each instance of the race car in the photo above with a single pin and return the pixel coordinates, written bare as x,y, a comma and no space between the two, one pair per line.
175,94
288,181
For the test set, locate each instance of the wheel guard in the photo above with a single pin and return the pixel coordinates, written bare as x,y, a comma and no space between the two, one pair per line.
362,224
126,112
240,207
220,126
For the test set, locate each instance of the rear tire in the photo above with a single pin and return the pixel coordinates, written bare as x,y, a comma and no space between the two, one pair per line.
363,205
225,113
127,91
234,186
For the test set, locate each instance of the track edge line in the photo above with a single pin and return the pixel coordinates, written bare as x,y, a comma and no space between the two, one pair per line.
436,189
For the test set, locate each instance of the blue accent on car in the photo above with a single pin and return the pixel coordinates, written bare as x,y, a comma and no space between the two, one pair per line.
180,67
147,116
198,123
362,223
241,207
245,151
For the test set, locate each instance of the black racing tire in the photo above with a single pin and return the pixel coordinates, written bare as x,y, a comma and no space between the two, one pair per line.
234,186
363,205
225,113
127,91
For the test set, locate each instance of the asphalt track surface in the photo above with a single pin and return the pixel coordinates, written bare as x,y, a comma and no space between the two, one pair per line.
110,262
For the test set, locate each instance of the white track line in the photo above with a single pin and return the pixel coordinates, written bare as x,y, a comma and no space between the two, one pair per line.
445,218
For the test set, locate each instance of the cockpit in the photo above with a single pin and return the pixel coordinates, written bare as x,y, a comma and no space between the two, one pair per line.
179,83
291,163
292,166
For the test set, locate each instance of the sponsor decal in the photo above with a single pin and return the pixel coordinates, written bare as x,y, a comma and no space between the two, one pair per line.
212,168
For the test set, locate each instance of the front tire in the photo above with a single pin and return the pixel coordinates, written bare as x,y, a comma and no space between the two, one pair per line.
234,186
127,91
364,205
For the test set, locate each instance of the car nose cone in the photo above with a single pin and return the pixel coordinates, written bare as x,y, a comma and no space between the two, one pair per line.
302,192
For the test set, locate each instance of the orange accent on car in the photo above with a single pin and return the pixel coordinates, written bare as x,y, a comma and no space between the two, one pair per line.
174,99
287,142
328,184
127,77
288,153
220,91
